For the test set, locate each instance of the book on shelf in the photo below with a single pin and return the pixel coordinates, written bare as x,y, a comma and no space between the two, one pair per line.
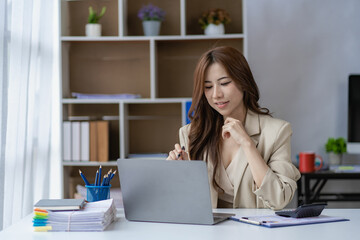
60,204
85,141
102,141
105,96
67,141
99,141
75,139
82,118
93,141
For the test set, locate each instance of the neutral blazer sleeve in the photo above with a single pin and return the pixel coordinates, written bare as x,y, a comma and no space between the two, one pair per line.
183,136
279,184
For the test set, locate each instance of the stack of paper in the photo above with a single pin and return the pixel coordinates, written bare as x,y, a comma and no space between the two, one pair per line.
95,216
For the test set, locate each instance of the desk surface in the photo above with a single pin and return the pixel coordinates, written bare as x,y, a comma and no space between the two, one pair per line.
123,229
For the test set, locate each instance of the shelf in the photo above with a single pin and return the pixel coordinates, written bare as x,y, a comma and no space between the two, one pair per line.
194,10
74,16
149,133
149,38
77,163
122,61
151,117
127,101
171,25
106,68
176,60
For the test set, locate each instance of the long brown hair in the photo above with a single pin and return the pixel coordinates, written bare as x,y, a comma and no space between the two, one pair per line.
206,123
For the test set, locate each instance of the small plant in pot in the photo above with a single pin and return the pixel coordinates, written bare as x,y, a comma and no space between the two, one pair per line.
93,28
151,17
335,147
213,21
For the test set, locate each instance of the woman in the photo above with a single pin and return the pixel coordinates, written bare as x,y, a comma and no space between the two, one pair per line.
246,150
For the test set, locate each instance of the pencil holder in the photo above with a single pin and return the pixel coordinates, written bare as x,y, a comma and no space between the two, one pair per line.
97,193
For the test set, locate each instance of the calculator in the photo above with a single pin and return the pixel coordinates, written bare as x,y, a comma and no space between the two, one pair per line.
303,211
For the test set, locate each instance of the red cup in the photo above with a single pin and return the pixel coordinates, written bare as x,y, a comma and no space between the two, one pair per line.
307,162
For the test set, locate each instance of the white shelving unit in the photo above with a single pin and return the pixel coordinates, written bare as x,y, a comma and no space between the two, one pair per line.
159,68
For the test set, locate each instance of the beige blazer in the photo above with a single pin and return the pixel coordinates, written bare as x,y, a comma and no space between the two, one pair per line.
272,139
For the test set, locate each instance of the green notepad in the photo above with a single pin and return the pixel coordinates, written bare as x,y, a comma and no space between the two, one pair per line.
60,204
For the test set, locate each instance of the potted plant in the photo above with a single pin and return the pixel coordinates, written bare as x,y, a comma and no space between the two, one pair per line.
213,21
93,28
335,148
151,17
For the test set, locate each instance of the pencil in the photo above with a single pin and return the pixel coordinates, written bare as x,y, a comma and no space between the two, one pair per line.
96,177
84,178
112,175
99,180
104,180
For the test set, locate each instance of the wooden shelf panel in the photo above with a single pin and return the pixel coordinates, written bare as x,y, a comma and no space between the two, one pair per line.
107,68
156,135
171,25
74,17
177,61
92,110
194,10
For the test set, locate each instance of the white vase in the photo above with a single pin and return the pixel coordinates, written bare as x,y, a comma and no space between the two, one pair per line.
93,30
335,159
213,29
151,28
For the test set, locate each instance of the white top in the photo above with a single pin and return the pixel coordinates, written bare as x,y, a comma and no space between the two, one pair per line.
123,229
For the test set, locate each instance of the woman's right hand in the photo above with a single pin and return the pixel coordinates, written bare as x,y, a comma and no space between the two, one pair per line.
178,153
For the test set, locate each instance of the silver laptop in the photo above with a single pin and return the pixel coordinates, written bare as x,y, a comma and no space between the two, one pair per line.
167,191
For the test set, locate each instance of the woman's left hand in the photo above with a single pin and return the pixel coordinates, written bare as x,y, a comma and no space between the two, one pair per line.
235,129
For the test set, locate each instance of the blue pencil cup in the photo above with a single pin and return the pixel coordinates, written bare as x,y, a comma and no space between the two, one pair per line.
97,193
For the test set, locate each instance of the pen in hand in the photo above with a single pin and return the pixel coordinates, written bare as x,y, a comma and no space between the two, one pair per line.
180,154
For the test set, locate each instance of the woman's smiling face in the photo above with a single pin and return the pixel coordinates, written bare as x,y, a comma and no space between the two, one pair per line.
222,93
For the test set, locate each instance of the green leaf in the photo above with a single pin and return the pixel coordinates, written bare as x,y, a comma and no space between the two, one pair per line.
103,10
93,17
337,146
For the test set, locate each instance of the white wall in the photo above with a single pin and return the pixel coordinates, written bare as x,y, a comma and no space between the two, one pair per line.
301,53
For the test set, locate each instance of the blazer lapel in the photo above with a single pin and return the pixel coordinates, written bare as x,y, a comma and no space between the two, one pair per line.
252,127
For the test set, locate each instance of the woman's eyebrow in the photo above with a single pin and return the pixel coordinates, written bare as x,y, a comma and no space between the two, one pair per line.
222,78
207,81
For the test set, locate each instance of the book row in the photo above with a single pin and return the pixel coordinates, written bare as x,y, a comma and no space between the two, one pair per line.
86,141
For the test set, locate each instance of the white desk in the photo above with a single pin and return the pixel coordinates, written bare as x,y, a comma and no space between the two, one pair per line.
125,230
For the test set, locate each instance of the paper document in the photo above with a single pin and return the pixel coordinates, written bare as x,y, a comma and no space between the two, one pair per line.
95,216
278,221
